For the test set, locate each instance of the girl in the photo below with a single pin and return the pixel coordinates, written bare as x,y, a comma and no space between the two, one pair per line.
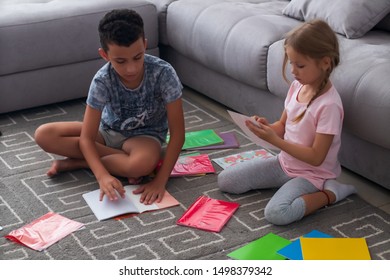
308,133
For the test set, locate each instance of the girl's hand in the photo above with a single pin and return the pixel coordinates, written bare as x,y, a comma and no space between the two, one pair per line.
260,120
151,192
262,129
111,187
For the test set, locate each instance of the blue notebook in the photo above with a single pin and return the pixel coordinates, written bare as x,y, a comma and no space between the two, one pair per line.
293,251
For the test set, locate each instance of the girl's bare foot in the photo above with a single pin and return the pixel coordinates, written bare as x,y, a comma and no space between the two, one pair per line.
67,164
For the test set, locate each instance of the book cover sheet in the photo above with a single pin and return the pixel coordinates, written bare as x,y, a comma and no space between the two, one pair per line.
229,142
208,214
264,248
192,165
293,251
334,249
200,138
234,159
44,231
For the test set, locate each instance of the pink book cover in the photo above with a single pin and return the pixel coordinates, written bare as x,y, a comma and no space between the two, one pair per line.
44,231
192,165
208,214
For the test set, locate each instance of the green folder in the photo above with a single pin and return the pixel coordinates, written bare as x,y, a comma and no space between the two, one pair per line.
264,248
200,138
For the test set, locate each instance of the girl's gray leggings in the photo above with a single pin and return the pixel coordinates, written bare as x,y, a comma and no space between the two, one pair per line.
287,204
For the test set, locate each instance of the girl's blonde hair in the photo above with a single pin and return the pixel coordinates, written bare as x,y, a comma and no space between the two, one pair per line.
316,40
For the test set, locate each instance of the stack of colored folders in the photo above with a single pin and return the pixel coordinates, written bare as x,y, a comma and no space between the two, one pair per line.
208,139
196,164
312,246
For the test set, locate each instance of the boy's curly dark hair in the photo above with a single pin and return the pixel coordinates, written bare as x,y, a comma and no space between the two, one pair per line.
121,27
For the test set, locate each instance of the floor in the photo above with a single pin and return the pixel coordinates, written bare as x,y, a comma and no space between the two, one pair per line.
369,191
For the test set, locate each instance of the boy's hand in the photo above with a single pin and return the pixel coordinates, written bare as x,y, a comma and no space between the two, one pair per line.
151,192
111,187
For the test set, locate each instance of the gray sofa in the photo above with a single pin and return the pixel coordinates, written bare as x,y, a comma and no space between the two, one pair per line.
232,51
229,50
49,48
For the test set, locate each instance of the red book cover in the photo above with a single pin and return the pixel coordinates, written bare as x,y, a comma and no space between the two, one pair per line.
208,214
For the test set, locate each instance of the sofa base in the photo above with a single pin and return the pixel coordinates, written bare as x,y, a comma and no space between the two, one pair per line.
366,159
64,82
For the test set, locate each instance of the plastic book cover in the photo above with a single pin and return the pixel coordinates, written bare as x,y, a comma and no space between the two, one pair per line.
234,159
200,138
294,250
264,248
208,214
192,165
229,142
44,231
334,249
107,209
240,120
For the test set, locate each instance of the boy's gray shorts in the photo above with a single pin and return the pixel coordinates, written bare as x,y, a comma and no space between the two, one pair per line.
115,139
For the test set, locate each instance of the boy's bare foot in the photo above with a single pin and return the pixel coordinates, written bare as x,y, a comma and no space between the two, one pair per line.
134,181
67,164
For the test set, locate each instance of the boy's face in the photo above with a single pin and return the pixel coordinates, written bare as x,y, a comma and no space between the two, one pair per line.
128,62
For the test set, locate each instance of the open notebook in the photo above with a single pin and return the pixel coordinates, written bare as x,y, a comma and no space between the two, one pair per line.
107,209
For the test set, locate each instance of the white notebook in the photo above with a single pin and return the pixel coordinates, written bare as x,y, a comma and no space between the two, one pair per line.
107,209
240,119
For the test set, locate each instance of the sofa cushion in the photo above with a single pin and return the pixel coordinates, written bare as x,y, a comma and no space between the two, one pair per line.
230,37
39,34
353,18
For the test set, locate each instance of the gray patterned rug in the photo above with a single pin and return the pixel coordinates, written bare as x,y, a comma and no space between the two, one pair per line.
26,194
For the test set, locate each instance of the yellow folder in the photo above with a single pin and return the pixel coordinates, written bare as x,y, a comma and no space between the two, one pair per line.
334,249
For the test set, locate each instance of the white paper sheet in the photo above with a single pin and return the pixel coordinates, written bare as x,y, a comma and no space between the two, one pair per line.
240,119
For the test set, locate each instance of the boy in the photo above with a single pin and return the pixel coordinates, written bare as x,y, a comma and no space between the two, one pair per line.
132,102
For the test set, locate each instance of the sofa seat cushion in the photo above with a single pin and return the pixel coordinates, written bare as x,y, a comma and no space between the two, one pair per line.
230,37
37,34
362,79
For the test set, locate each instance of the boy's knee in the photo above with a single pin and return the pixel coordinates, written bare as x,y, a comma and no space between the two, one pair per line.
41,133
140,167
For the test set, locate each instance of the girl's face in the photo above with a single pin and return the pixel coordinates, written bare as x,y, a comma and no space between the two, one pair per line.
306,70
128,62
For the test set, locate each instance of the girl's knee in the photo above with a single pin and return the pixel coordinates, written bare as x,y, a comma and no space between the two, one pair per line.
225,183
278,215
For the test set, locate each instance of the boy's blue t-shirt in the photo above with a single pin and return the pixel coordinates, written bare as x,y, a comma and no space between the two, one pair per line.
140,111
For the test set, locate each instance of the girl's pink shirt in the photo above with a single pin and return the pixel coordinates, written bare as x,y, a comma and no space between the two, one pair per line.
325,115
